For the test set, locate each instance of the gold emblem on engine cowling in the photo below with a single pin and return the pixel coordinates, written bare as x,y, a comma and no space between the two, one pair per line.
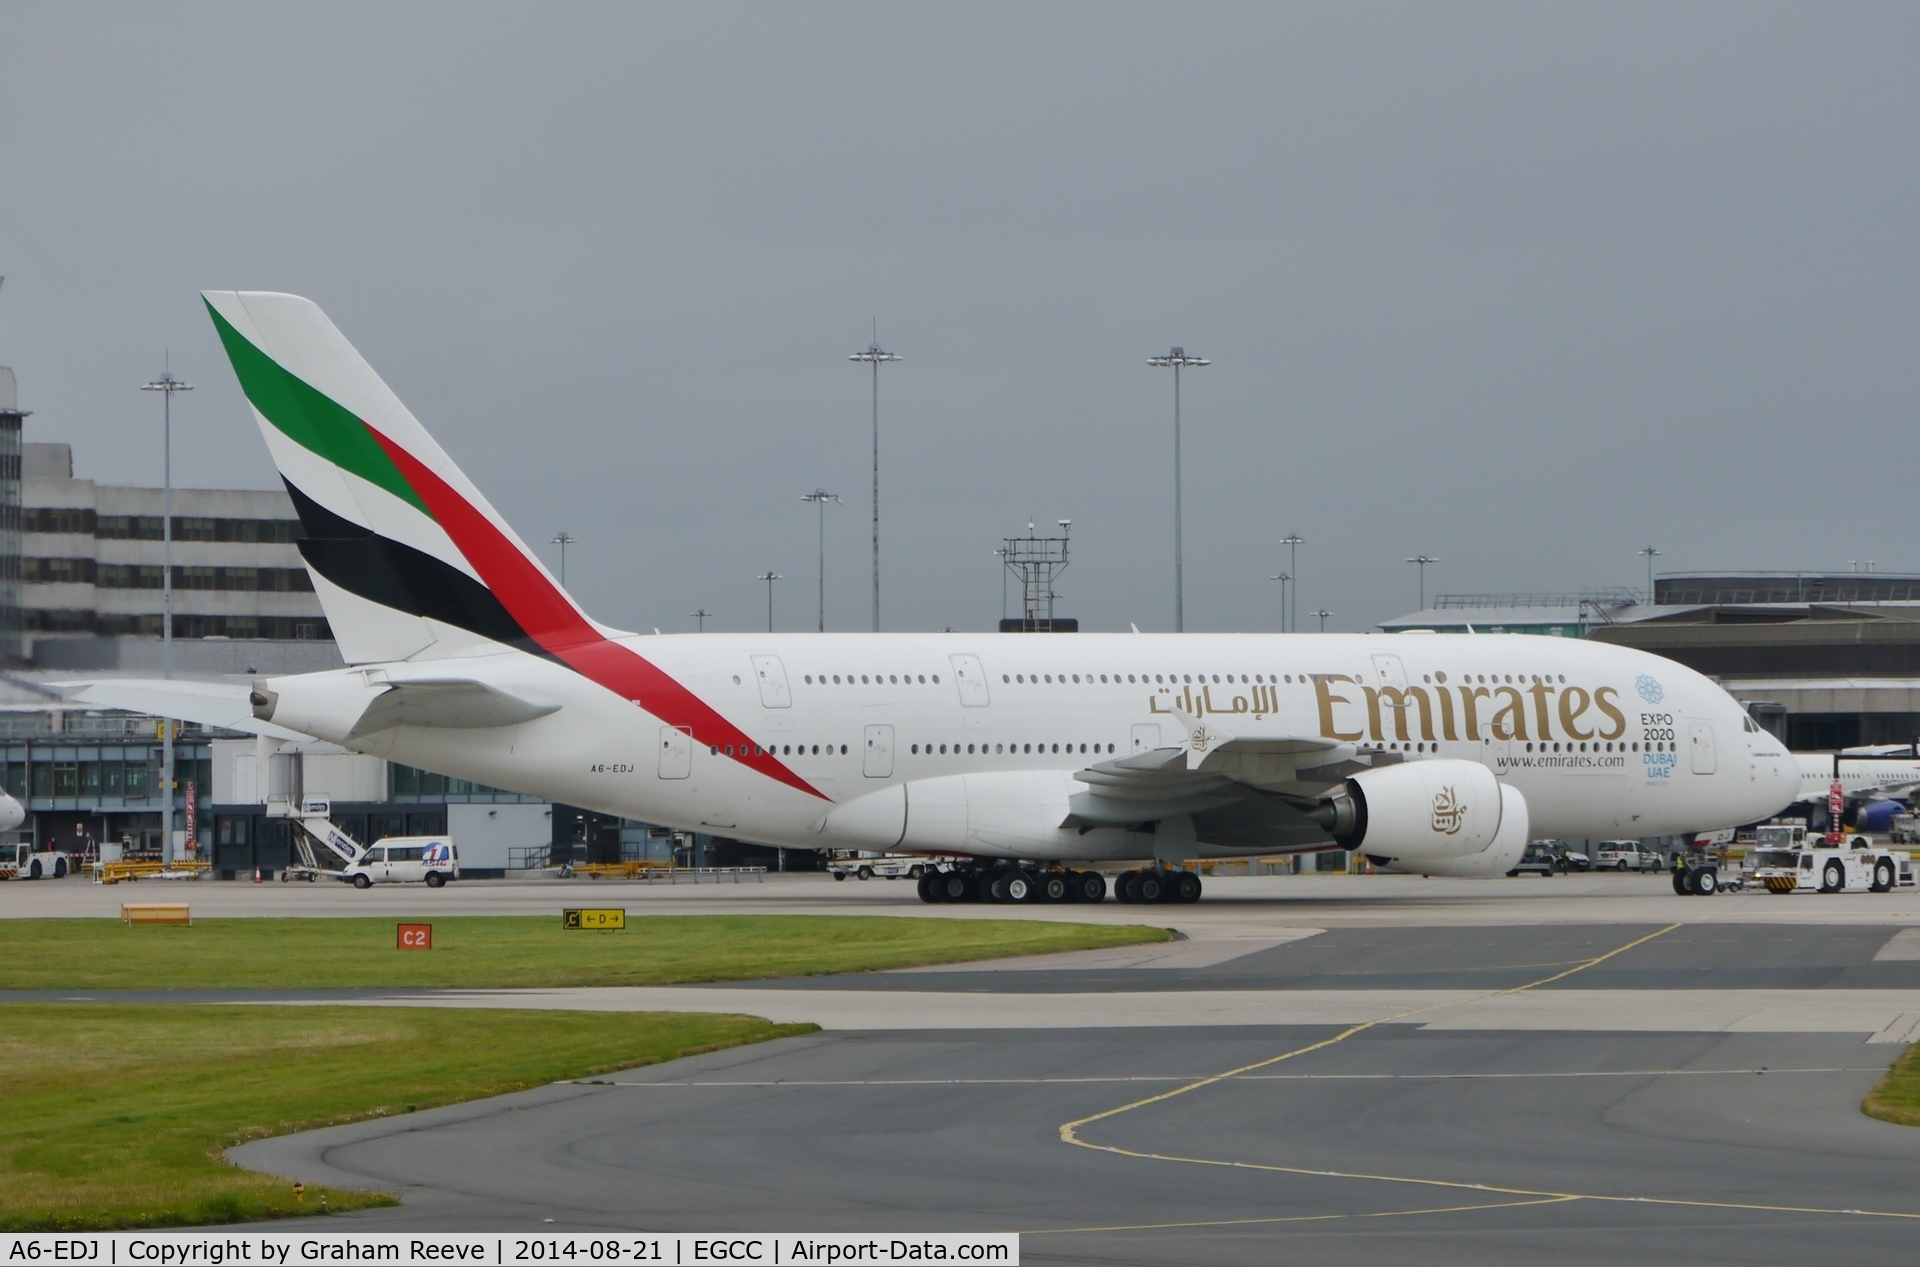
1448,812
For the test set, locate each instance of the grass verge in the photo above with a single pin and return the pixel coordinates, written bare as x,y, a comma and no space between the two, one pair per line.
116,1114
495,952
1897,1098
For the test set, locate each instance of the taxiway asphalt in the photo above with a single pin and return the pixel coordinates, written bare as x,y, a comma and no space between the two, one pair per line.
1575,1092
1416,1071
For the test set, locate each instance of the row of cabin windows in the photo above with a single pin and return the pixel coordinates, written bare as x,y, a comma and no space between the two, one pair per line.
771,750
1143,679
1013,748
1149,679
1593,746
875,679
1230,679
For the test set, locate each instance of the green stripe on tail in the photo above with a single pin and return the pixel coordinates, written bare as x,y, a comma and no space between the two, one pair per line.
309,418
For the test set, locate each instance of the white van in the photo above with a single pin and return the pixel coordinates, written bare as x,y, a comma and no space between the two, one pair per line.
405,860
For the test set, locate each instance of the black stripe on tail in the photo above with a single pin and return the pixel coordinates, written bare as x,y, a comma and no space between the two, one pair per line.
395,575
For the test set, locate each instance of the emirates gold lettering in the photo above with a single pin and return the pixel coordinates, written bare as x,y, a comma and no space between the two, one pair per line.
1540,691
1613,714
1470,697
1573,702
1479,711
1326,697
1511,721
1399,700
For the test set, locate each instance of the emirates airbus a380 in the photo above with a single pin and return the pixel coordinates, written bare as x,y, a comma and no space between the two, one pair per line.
1012,756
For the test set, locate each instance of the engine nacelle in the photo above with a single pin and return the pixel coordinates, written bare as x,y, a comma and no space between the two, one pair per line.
1419,812
1497,858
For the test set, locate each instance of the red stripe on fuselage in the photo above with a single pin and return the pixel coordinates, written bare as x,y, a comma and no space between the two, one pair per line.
553,622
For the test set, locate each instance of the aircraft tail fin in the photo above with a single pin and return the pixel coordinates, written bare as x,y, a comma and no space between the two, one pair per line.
404,551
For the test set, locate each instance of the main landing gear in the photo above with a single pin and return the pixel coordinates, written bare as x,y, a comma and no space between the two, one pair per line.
1011,883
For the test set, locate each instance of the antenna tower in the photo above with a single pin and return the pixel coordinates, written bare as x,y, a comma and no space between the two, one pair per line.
1037,562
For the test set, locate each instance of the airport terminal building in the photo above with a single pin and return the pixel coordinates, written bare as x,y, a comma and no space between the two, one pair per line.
1824,660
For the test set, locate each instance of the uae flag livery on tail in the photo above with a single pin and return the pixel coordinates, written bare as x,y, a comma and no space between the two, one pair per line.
405,553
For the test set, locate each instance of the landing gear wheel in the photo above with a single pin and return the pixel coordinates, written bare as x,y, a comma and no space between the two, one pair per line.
1057,886
1127,888
1150,887
950,886
1882,876
997,886
362,882
1706,881
1186,887
1089,886
1020,887
1834,878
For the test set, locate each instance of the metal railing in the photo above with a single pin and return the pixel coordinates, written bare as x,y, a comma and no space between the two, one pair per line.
1616,597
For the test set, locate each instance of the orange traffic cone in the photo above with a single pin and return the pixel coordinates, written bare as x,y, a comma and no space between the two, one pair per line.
256,875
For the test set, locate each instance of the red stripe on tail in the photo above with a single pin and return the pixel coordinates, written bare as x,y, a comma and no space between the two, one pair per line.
552,621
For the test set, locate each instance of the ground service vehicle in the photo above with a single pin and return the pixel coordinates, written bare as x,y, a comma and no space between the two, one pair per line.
432,860
1626,855
26,861
1539,859
884,867
1792,860
1434,754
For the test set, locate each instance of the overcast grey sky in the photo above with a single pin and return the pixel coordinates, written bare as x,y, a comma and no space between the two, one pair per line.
1522,287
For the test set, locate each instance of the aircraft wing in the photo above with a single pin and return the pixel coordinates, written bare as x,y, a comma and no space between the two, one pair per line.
1210,770
221,704
1886,789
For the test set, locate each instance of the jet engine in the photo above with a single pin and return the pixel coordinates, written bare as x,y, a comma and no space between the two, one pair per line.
1449,818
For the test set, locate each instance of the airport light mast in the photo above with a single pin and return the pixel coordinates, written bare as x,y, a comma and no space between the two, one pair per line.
770,577
700,616
1177,360
820,497
1284,578
1293,541
166,385
563,539
1323,613
876,358
1421,561
1651,554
